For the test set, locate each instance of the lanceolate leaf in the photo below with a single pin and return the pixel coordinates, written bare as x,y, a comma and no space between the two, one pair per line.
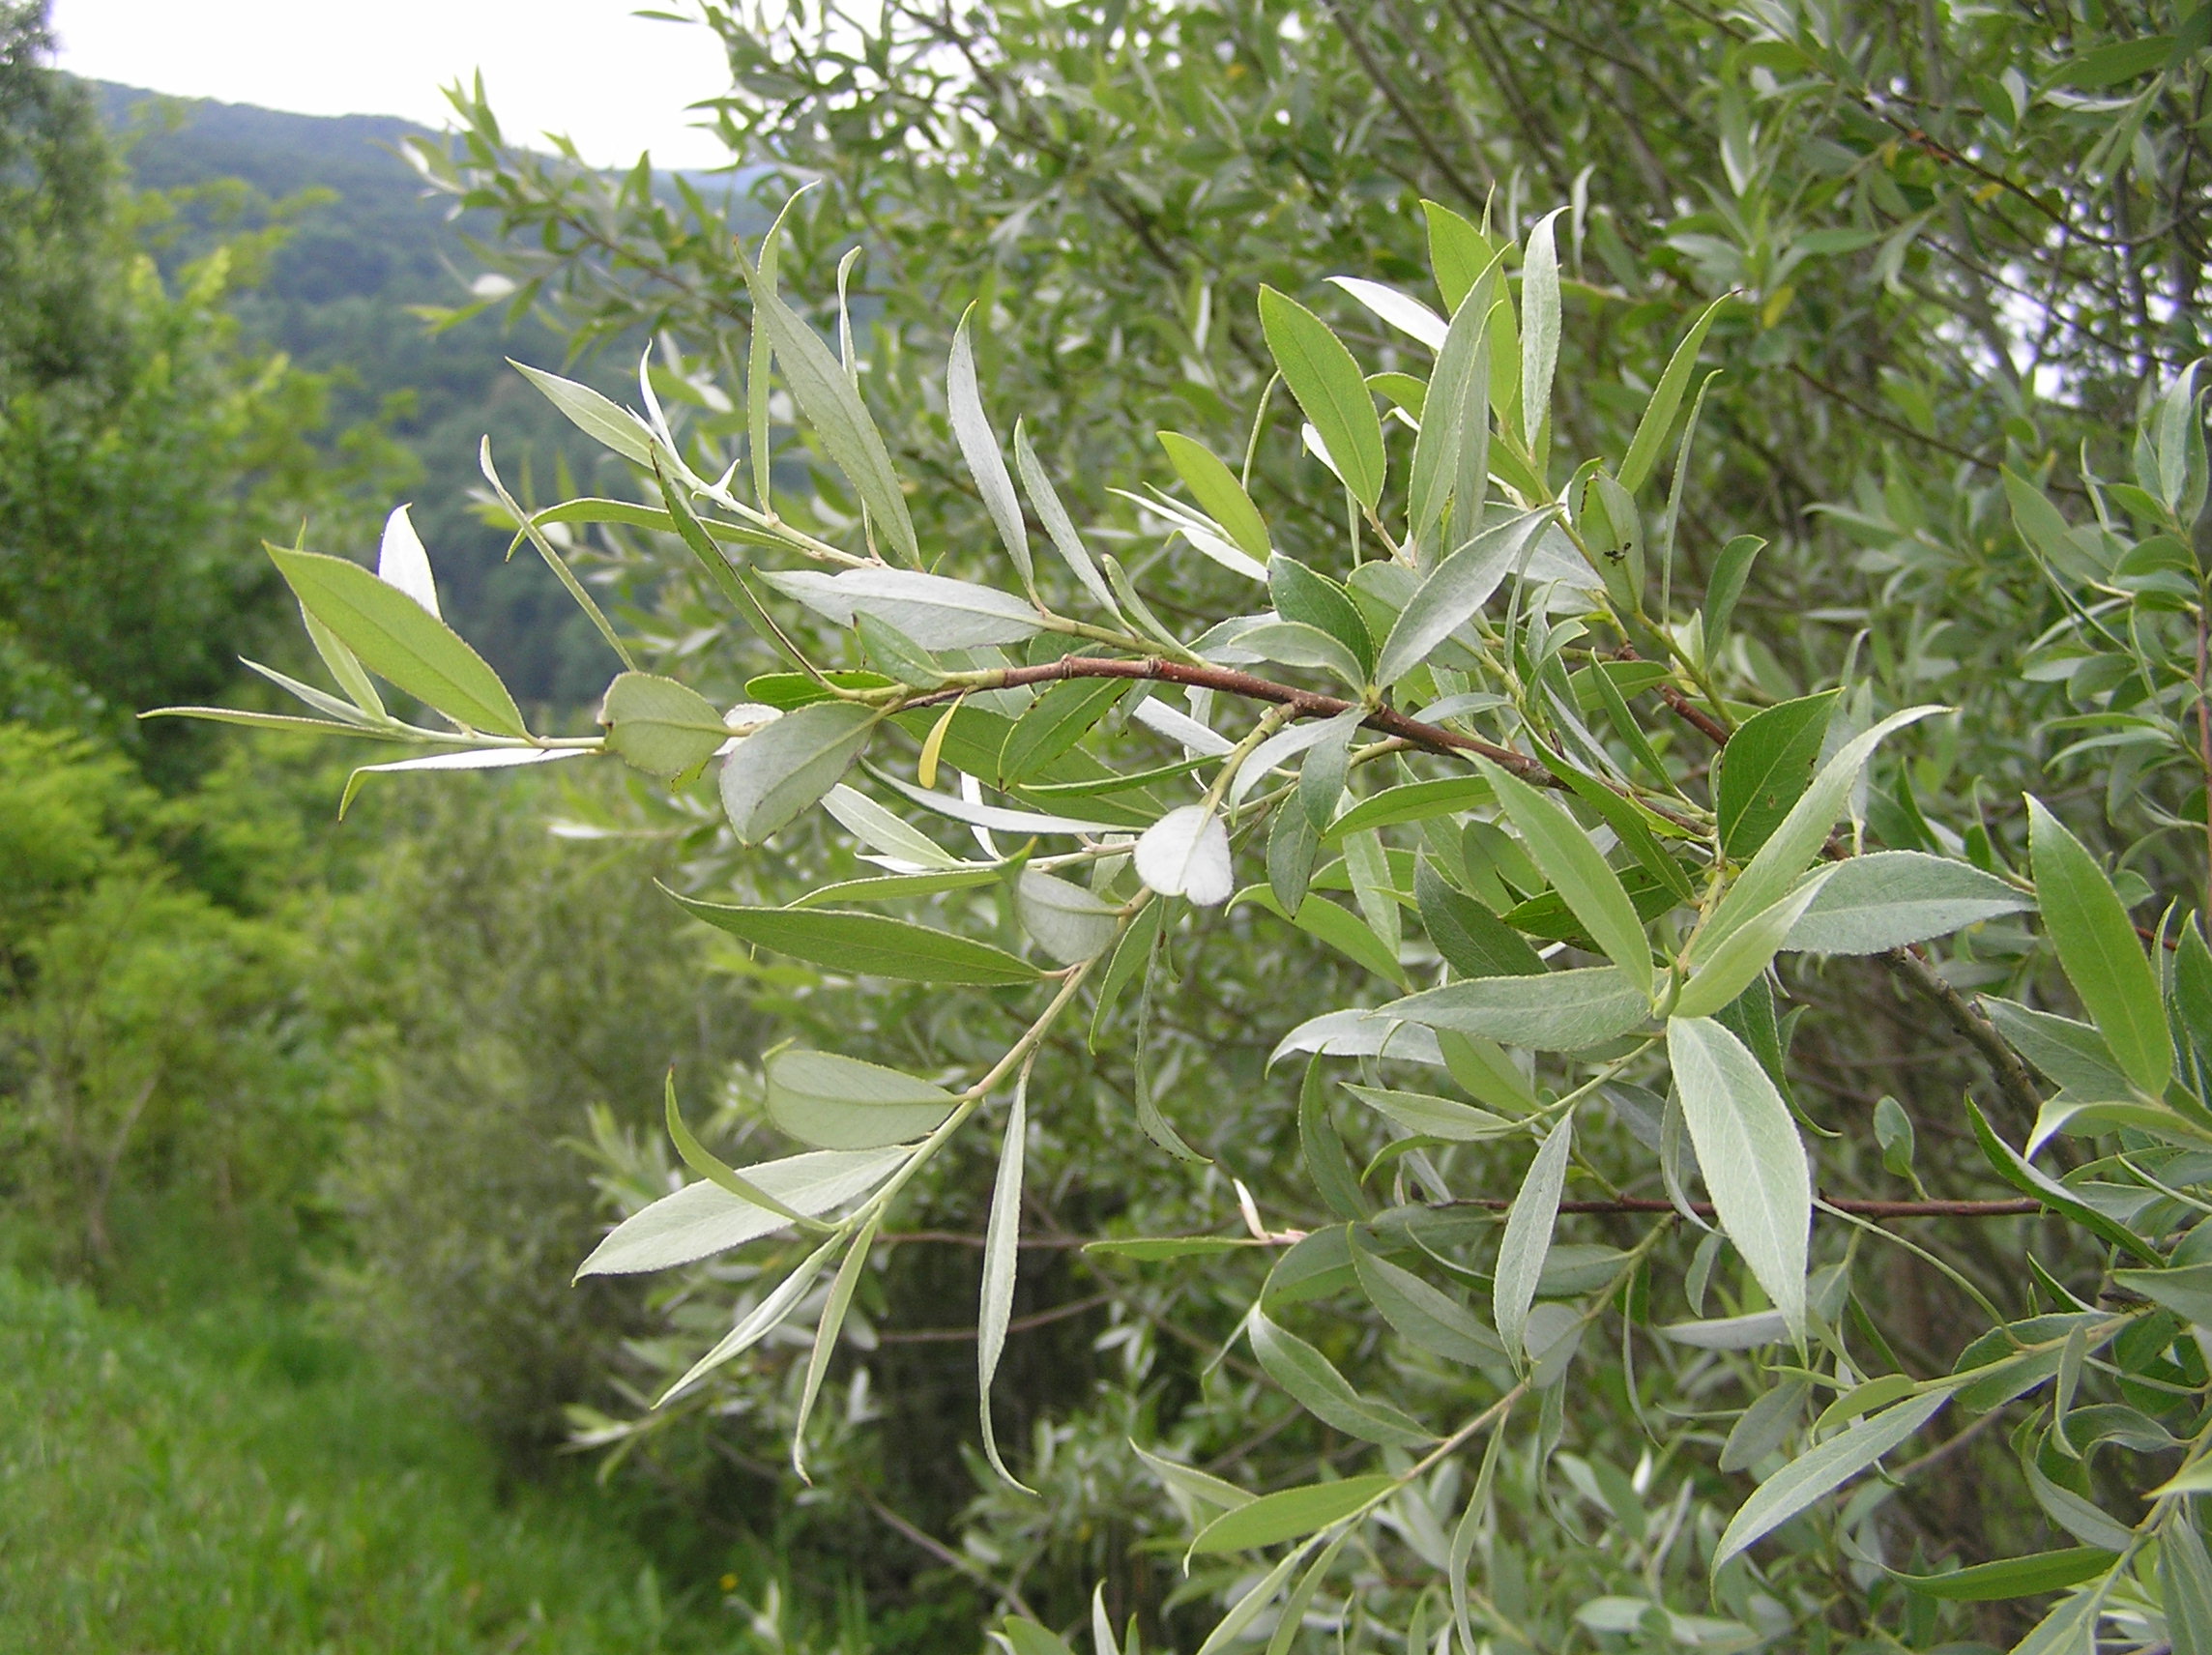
392,635
1454,591
936,612
1218,493
1292,1514
1650,439
1325,1393
832,407
1540,326
1528,1237
868,944
1567,859
591,414
1765,769
1058,526
1559,1012
1730,969
1814,1473
1888,898
2010,1166
841,1103
1753,1160
979,447
1329,387
781,769
2097,944
1421,1314
1068,921
1455,423
2014,1577
702,1219
1001,1241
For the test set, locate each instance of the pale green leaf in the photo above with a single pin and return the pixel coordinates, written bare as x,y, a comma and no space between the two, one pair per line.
837,1102
782,768
1329,387
1559,1012
1889,898
2098,947
659,726
1817,1471
1290,1514
1528,1237
979,447
1591,890
702,1219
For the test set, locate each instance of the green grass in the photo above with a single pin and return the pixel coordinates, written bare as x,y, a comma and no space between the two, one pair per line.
232,1482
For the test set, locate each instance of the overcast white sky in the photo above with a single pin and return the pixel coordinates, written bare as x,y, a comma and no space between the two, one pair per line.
615,82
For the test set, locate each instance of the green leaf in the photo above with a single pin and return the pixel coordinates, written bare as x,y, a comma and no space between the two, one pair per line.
2185,1583
1423,1315
711,1167
1001,1258
764,1318
659,726
1302,596
1070,922
1451,454
867,945
1429,1116
1295,643
826,1332
1200,1486
979,447
1753,1160
1246,1609
1889,898
2071,1054
2185,1290
2013,1577
1560,1011
1294,843
2097,946
1457,253
1218,493
825,398
1059,527
1791,847
1475,941
1579,873
934,610
1130,956
1814,1472
1454,591
1765,769
1028,1638
1540,327
1326,1394
841,1103
392,635
1326,1162
785,768
1763,1427
1329,387
1731,569
702,1219
2010,1166
1643,449
1290,1513
1735,964
1527,1238
603,422
1409,802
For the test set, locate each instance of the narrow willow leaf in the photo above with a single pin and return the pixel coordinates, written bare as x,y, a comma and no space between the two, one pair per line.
1753,1160
1061,717
1301,594
771,1313
867,945
997,817
933,744
2009,1164
1791,847
1643,449
1200,1486
1728,1332
1291,1621
1410,801
1001,1257
402,561
1342,930
703,1219
1539,326
1476,941
2185,1290
712,1168
394,636
1429,1116
1814,1472
1457,252
1422,1314
1059,527
979,447
345,667
1204,535
1327,1162
1361,1035
277,722
833,408
1218,493
826,1332
2098,947
1404,313
1560,1011
481,758
1889,898
1579,873
934,610
1131,954
606,423
1765,769
1454,591
1731,569
1070,922
1290,1513
877,826
1102,1639
2071,1054
1246,1609
1295,644
782,768
1728,969
659,726
1455,419
837,1102
2185,1583
1186,854
1527,1238
1294,845
1321,779
1028,1638
2013,1577
2069,1629
1278,748
1763,1427
1314,1382
1329,387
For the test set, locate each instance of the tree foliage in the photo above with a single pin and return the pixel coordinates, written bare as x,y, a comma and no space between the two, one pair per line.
1482,914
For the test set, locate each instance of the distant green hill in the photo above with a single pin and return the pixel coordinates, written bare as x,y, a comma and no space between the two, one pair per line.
337,299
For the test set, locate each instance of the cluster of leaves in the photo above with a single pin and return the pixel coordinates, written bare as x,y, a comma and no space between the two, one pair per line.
1506,808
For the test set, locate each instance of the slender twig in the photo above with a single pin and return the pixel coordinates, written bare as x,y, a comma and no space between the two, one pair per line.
1857,1206
952,1560
1020,1324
